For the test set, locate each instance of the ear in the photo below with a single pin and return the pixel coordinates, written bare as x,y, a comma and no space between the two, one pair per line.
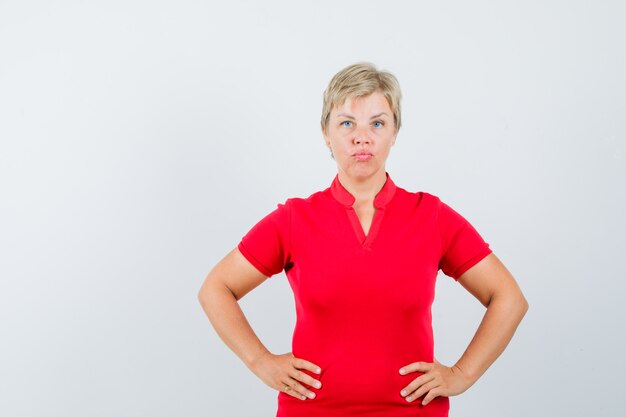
326,138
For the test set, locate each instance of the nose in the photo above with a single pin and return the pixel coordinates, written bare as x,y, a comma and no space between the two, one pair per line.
361,136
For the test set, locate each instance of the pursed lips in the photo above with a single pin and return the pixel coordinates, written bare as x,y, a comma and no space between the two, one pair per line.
363,156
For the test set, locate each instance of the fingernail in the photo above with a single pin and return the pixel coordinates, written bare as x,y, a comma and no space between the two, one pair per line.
318,384
403,392
409,398
311,395
318,370
402,371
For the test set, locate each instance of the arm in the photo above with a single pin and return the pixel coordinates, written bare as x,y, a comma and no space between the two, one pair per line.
231,279
494,286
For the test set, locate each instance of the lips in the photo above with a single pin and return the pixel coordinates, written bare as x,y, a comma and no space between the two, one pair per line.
363,156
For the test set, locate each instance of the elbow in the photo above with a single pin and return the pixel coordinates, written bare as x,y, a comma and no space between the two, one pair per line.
520,305
203,297
517,300
210,292
205,293
514,302
525,305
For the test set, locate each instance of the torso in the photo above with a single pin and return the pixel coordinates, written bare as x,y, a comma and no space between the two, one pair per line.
361,299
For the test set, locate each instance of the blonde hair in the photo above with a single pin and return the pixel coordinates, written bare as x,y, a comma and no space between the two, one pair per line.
358,80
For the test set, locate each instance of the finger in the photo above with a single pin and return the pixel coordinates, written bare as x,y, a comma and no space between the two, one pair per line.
301,390
304,364
432,394
295,394
292,389
424,389
306,378
416,383
416,367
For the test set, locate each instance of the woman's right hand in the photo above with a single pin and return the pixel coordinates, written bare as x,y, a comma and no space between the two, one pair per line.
282,372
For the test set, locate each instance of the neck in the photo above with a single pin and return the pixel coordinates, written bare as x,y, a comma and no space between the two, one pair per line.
364,189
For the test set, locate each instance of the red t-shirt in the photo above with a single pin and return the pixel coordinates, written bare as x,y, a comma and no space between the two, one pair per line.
363,303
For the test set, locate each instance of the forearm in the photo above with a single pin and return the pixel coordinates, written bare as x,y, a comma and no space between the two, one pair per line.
503,315
231,325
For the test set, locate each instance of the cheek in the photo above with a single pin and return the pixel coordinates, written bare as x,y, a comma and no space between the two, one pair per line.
342,141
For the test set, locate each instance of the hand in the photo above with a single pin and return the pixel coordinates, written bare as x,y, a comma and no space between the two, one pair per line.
282,373
437,380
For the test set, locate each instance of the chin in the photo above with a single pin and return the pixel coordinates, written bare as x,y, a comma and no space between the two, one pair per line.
362,170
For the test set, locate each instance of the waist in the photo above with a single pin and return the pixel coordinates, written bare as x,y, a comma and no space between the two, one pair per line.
362,379
289,406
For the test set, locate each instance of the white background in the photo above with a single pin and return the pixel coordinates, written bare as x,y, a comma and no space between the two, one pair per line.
139,141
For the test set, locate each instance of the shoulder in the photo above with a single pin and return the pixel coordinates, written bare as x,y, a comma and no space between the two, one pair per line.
286,210
422,199
312,202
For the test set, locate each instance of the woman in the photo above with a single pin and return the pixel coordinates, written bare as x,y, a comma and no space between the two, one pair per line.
361,257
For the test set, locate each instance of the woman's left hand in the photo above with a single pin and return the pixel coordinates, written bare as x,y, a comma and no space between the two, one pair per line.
437,380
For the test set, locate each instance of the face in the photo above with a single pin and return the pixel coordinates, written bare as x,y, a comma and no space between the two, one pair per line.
360,134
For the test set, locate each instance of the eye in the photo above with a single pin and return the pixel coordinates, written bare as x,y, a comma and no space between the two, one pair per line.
346,123
378,123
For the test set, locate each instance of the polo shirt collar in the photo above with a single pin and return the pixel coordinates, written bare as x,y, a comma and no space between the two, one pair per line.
381,200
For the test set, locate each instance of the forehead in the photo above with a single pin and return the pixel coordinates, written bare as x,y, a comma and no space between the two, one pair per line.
375,102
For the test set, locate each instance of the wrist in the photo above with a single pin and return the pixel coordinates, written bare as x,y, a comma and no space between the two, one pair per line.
253,361
465,373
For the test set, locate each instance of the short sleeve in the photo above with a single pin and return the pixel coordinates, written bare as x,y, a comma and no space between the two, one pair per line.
267,244
461,245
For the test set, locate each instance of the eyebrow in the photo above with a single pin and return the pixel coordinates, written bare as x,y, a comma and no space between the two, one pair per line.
352,117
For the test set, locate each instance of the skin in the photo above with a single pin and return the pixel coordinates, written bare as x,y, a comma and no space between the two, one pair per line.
364,123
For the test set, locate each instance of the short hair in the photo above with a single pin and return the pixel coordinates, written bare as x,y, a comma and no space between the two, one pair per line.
359,80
